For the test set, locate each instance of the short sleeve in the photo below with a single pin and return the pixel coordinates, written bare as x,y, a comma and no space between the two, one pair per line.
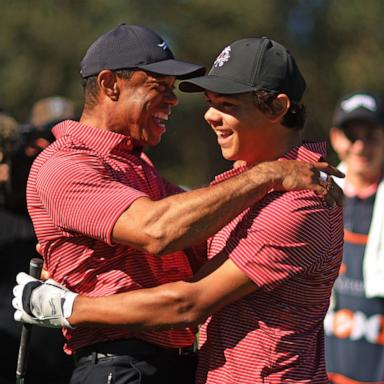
81,197
284,236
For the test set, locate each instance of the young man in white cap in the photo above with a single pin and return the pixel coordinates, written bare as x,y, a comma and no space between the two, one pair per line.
271,269
354,323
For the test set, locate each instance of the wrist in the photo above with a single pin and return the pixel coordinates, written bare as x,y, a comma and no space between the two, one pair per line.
69,299
268,175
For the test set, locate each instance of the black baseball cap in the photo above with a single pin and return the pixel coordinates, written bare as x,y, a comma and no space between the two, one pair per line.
135,47
358,106
250,65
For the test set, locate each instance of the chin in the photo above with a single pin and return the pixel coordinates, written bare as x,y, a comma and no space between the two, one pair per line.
229,155
154,141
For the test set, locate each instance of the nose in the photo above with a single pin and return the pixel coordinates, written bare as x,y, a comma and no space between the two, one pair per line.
212,116
359,144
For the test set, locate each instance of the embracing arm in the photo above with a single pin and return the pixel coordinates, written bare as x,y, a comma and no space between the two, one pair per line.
185,219
174,305
180,304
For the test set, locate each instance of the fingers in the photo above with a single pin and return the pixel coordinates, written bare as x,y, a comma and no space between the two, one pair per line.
335,193
18,315
44,274
16,303
23,278
18,290
328,169
24,318
38,249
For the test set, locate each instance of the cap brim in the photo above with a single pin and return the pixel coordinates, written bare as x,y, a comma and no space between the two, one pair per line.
214,84
180,69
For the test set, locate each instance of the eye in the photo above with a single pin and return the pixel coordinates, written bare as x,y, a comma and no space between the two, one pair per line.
165,87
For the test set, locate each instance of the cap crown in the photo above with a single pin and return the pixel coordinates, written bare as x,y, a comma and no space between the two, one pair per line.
252,64
359,106
126,46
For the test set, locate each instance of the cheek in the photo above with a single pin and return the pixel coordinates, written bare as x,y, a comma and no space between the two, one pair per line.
379,152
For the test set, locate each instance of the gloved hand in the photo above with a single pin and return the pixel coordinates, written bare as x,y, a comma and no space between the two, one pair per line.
47,303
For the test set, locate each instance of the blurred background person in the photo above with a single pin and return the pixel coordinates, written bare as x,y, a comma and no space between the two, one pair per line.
355,322
19,146
13,227
49,111
37,135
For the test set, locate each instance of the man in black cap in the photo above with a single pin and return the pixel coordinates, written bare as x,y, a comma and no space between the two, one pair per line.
273,264
354,323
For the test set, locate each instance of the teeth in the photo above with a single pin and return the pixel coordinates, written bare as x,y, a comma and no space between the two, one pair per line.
161,115
224,133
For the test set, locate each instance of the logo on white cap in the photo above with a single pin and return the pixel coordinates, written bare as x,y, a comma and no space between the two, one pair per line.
359,101
223,57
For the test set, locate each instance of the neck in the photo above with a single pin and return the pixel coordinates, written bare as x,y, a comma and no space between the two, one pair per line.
94,118
278,143
291,140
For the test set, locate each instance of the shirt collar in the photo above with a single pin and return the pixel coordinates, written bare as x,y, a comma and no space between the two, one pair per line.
102,140
308,151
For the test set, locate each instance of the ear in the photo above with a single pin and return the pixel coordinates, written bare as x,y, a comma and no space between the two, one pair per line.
339,142
280,106
108,84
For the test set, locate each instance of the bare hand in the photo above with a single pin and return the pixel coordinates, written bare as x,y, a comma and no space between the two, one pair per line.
293,175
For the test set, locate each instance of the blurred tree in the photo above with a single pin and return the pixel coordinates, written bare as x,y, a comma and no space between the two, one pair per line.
336,43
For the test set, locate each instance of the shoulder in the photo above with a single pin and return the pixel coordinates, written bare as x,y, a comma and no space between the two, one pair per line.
296,204
58,166
297,215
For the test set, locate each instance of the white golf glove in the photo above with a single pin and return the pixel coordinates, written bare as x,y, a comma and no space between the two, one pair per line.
47,303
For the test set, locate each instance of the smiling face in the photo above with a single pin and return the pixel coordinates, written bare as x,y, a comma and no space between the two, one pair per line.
362,149
246,133
238,124
143,107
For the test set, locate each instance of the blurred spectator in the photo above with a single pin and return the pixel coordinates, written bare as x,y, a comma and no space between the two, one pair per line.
13,227
18,149
354,324
51,110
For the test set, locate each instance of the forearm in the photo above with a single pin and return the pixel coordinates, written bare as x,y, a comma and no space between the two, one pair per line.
199,214
186,219
174,305
162,307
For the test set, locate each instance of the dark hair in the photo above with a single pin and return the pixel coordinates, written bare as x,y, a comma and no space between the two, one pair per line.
91,89
293,119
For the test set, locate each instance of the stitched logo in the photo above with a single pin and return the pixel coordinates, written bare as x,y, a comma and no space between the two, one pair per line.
359,101
163,45
223,57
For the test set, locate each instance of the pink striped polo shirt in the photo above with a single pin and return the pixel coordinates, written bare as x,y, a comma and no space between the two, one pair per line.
77,189
290,245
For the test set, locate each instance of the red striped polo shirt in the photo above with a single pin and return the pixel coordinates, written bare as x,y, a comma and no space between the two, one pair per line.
290,245
77,189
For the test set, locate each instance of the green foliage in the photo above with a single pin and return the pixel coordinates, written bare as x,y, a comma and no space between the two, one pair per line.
337,43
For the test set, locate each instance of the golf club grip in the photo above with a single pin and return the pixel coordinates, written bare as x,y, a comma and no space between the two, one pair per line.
35,267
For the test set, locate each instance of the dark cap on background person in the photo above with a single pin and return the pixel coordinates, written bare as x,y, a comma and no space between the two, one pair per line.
249,65
358,106
135,47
